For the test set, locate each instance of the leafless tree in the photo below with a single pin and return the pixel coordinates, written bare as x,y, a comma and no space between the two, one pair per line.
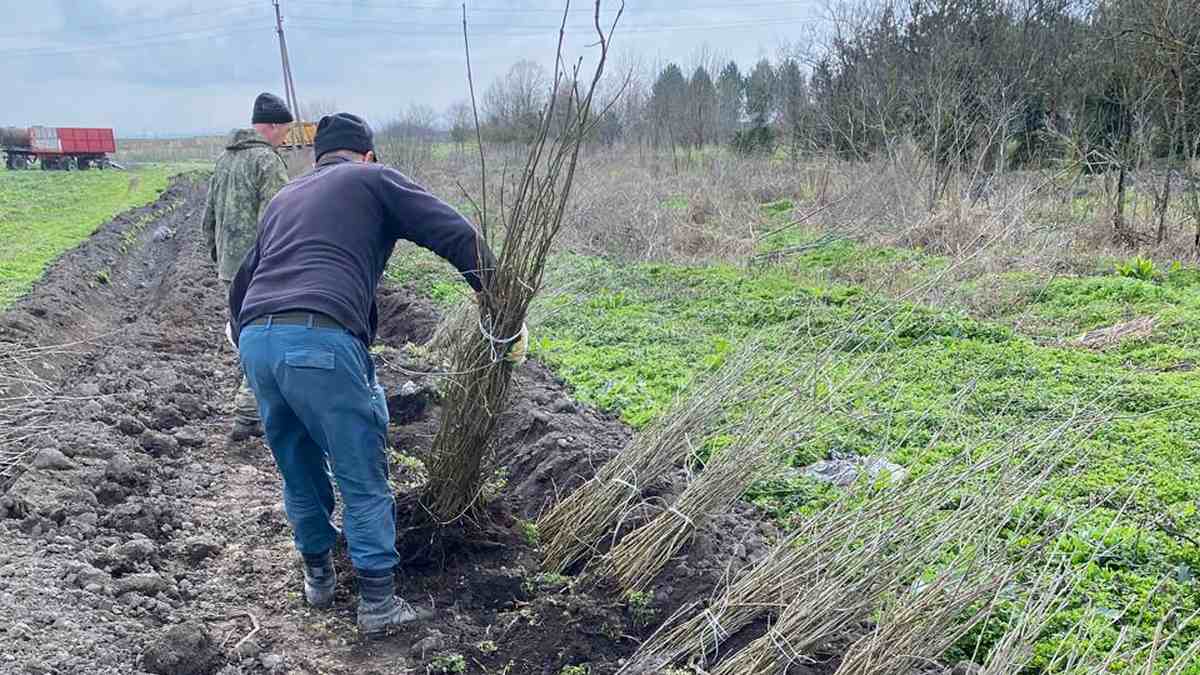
458,116
513,104
314,109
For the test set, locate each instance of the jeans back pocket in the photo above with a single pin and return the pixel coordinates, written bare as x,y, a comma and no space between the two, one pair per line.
309,358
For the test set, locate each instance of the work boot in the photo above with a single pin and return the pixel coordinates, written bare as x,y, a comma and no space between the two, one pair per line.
378,606
243,430
319,580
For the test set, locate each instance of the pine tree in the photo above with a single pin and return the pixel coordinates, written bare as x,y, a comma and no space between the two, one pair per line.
668,97
760,93
702,107
730,88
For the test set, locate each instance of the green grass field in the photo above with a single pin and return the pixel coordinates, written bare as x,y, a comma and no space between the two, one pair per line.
45,213
629,337
635,335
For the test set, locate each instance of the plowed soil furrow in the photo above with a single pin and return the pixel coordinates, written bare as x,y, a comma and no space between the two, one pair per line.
135,539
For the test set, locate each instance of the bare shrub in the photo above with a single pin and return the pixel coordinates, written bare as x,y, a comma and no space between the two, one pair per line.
638,210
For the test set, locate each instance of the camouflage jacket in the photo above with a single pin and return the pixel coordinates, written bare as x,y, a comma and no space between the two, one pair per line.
247,176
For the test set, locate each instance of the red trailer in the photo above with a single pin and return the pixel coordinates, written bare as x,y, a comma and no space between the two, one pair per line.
62,148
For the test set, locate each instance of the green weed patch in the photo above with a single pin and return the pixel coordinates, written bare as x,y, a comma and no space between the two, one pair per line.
920,384
428,274
946,384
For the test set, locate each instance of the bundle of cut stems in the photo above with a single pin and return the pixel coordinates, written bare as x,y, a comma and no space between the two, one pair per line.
814,579
642,554
837,543
578,524
480,376
764,442
853,581
787,397
920,624
942,599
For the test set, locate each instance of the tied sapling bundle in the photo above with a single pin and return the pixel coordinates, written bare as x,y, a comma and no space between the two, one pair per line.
641,555
481,376
578,525
791,387
839,565
783,405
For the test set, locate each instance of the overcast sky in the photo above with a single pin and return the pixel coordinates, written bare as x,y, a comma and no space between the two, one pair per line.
163,67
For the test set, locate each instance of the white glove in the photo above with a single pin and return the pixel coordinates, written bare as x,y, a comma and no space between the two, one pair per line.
229,335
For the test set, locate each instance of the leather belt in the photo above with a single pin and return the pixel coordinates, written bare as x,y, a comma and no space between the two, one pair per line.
314,319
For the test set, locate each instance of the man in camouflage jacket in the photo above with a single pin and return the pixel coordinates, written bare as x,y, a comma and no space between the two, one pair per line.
246,177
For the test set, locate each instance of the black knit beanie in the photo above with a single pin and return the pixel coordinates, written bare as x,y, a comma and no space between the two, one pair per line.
270,109
343,131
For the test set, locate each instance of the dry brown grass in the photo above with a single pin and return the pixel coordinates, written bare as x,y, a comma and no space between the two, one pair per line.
1110,336
636,205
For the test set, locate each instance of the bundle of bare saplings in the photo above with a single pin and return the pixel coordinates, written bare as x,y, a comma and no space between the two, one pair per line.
531,220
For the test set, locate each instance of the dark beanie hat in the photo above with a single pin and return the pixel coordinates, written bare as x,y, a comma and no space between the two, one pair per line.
270,109
343,131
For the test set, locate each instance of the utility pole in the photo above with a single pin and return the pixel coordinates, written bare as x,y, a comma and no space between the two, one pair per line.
289,86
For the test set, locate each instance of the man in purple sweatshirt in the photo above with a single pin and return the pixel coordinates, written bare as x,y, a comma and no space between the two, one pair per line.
302,311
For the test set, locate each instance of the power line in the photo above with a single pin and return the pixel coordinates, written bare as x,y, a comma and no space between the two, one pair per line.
353,27
413,28
133,22
349,26
530,10
339,27
149,41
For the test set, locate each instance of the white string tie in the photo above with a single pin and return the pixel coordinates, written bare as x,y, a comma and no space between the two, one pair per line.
494,342
684,516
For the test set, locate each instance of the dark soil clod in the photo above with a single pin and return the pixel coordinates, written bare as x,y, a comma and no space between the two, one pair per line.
186,649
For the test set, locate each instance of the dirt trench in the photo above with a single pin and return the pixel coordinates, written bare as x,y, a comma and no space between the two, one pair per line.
137,541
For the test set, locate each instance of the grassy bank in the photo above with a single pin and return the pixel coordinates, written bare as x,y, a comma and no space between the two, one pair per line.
632,336
628,337
44,213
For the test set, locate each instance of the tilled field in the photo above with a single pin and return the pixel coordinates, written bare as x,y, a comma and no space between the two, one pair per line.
132,539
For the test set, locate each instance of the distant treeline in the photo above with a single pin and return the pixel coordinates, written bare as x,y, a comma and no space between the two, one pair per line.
989,84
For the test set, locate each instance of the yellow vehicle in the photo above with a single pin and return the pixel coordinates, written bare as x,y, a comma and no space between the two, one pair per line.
301,134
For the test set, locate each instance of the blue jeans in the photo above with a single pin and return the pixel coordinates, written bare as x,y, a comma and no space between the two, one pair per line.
321,407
